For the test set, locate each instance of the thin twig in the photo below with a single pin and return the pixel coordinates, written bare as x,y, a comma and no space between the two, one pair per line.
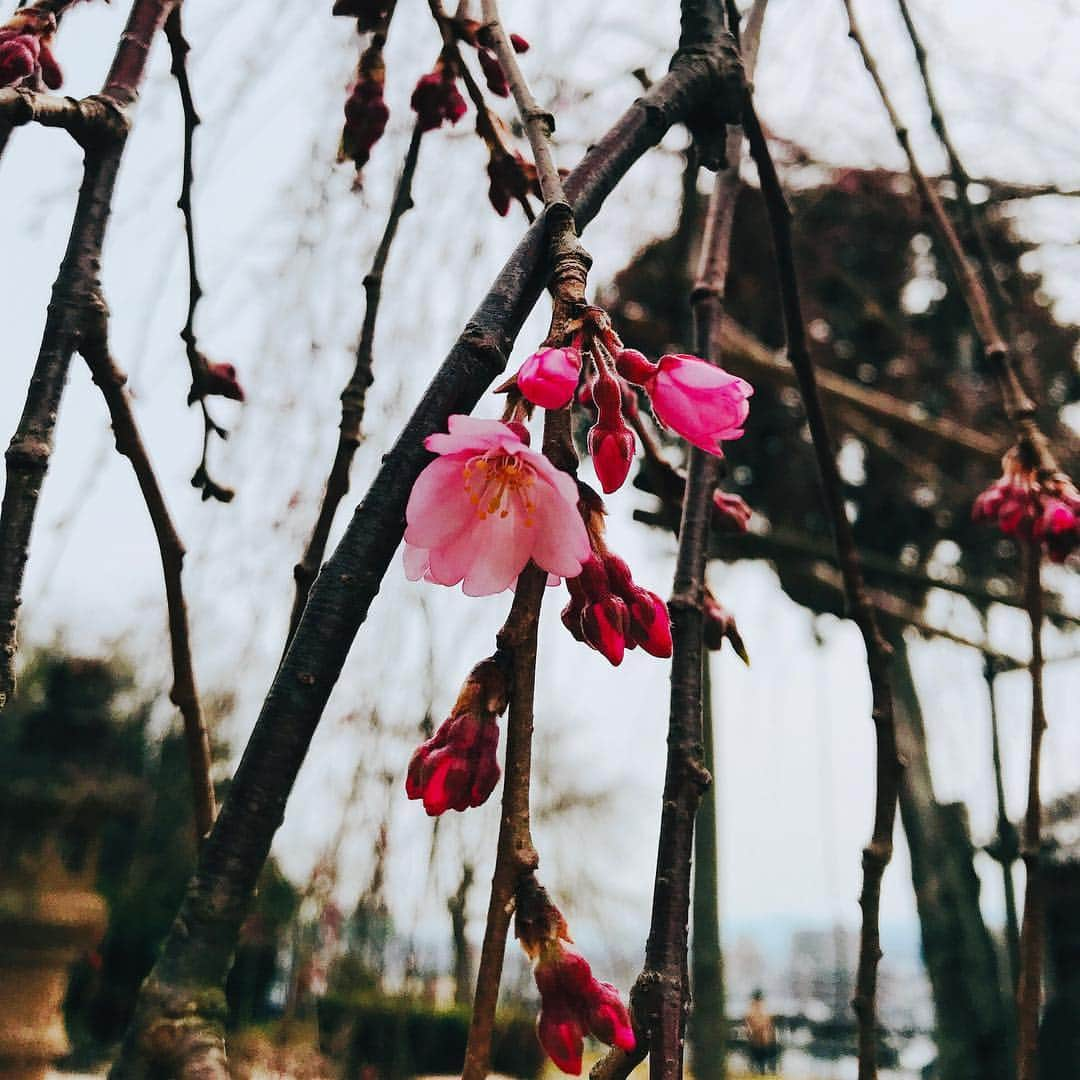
1018,406
354,396
179,48
956,166
184,695
487,124
179,993
1029,989
72,305
888,768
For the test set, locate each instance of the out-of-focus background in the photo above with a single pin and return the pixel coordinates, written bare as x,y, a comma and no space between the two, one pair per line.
367,900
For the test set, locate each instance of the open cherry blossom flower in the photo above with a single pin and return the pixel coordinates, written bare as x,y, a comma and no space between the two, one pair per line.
488,505
701,402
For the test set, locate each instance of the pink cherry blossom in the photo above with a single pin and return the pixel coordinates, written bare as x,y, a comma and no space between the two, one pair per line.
701,402
549,377
488,505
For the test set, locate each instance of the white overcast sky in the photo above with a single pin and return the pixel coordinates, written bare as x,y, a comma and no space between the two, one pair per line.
283,245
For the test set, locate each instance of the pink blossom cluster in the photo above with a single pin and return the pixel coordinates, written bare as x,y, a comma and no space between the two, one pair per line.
1038,509
457,768
695,399
573,1002
26,50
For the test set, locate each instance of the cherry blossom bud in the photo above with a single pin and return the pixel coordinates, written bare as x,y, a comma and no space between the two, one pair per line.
366,115
650,624
18,58
608,1019
456,768
635,367
220,380
720,625
493,72
51,75
436,98
612,450
731,511
507,180
368,13
549,377
519,43
605,625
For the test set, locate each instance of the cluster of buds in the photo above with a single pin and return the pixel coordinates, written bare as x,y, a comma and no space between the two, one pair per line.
608,610
478,35
1034,508
510,179
456,768
26,50
366,113
573,1003
436,98
702,403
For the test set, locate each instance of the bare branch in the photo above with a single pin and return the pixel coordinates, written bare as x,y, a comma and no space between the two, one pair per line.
354,396
72,305
95,349
878,852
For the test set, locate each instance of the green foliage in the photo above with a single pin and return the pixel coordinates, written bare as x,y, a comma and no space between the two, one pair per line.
401,1037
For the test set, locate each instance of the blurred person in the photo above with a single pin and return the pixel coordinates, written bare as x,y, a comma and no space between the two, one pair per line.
761,1036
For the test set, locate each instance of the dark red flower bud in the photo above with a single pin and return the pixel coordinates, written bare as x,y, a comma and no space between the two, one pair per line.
456,768
368,13
436,98
731,511
519,43
507,181
605,625
612,450
51,74
220,380
366,115
18,58
720,625
493,72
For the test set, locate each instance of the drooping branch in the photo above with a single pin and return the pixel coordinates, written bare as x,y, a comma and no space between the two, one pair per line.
71,306
878,852
1018,406
197,953
354,396
184,695
1032,929
179,49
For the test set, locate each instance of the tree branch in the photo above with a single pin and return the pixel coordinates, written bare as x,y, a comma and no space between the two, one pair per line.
95,349
1032,930
72,303
197,953
1018,406
878,852
354,396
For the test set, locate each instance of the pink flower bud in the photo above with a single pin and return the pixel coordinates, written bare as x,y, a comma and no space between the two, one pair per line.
562,1036
436,98
701,402
731,512
519,43
549,377
493,72
456,768
366,115
635,367
605,625
612,450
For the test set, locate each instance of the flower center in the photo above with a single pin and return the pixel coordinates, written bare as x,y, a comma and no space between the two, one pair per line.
498,484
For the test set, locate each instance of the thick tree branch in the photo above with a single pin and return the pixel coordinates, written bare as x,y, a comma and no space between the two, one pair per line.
72,304
878,852
354,396
184,695
197,953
